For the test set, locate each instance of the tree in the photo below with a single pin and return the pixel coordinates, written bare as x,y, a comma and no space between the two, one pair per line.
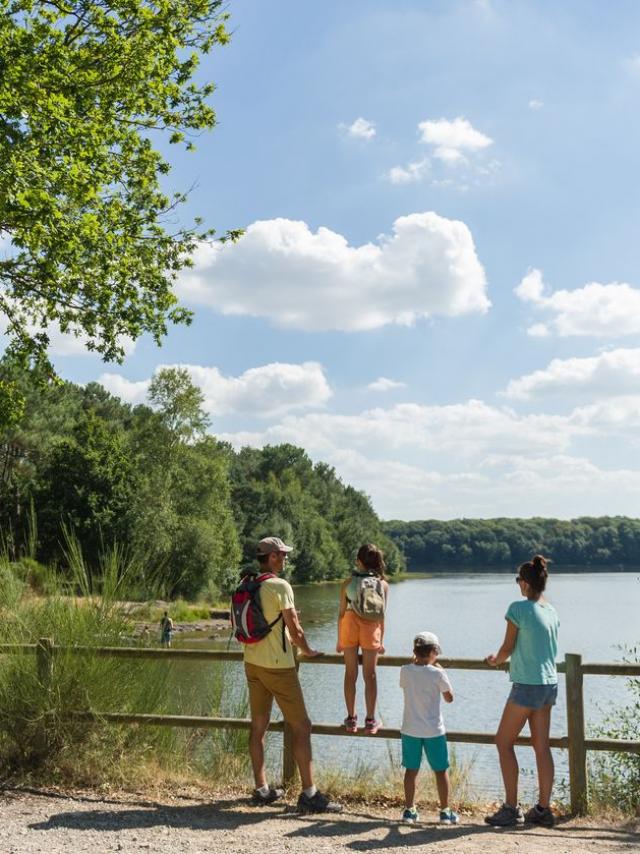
179,402
85,86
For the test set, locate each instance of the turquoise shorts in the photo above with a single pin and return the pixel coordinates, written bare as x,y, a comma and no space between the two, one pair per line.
435,749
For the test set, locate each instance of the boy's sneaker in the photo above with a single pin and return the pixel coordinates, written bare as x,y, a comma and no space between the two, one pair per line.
351,723
371,725
272,795
448,816
540,815
318,803
506,816
410,816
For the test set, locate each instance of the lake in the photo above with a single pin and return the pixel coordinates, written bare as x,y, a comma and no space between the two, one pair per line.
598,616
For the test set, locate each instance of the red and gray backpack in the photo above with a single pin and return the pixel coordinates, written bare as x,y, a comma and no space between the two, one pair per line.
247,617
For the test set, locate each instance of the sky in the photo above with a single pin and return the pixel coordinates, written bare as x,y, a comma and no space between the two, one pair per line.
438,289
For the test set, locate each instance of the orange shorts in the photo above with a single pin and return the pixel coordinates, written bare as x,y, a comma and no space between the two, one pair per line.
354,631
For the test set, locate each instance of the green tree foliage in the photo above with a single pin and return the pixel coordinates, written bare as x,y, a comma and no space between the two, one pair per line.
586,541
86,86
152,482
278,490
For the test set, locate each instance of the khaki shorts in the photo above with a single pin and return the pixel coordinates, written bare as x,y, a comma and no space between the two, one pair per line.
267,683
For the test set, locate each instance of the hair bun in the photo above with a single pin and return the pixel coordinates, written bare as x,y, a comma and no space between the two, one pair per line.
539,563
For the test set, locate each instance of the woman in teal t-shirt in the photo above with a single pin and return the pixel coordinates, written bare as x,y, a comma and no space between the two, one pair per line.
531,641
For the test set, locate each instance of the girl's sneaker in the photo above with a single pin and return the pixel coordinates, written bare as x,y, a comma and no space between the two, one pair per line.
448,816
540,815
410,816
371,725
351,723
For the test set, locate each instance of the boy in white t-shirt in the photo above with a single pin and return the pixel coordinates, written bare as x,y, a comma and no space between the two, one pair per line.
424,682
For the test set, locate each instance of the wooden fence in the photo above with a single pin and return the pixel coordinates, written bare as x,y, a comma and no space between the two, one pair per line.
575,741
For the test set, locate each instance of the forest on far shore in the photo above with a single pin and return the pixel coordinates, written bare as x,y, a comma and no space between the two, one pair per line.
587,541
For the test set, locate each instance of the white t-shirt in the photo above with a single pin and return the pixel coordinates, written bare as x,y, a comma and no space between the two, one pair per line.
423,685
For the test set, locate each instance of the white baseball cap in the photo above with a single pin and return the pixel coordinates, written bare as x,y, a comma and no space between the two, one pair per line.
426,639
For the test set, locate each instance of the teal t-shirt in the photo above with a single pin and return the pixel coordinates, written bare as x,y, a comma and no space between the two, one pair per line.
533,660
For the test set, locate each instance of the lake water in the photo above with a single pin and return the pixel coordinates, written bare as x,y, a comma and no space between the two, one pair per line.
598,616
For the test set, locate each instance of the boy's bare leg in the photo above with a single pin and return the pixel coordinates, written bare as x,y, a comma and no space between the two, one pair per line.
410,787
442,782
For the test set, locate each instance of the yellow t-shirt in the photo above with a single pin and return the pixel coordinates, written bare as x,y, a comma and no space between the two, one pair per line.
276,595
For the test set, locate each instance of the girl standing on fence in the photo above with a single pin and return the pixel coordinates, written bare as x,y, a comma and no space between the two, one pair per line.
531,641
363,601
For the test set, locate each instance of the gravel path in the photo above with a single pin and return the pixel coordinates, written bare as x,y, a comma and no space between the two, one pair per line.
52,824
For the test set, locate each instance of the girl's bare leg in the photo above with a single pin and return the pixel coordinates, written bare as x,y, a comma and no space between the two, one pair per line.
350,679
513,720
539,724
369,661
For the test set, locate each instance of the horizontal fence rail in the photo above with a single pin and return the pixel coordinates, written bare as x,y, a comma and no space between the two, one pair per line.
575,741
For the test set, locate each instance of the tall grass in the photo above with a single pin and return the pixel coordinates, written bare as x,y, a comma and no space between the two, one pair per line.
39,739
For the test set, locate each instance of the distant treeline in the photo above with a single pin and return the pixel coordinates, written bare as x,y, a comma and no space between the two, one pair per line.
184,509
586,541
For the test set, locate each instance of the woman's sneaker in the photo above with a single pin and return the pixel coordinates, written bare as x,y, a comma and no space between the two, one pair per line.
318,803
506,816
410,816
371,725
540,815
448,816
351,723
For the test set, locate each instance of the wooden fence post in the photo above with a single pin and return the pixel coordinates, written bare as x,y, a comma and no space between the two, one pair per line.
578,784
44,660
288,760
44,663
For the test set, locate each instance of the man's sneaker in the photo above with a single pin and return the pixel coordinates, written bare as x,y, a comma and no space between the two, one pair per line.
318,803
448,816
410,816
371,725
540,815
506,816
272,795
351,723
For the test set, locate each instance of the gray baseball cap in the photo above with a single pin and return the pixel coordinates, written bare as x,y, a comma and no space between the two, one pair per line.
268,545
426,639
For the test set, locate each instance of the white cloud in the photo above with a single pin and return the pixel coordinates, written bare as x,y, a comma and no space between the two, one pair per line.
301,279
452,139
268,391
536,104
412,173
611,310
360,129
465,430
127,390
385,384
610,374
633,64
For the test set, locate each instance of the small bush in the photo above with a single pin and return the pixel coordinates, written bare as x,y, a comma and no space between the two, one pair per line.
615,777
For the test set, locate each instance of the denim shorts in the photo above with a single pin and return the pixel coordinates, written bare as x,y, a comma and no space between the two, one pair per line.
435,749
533,696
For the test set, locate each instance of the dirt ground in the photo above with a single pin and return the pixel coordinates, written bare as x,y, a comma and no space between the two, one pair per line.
52,823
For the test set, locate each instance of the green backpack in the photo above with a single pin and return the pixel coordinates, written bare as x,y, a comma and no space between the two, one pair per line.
369,601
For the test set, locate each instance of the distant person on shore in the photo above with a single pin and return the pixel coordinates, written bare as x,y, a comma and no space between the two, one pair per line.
424,682
363,602
166,630
531,641
271,672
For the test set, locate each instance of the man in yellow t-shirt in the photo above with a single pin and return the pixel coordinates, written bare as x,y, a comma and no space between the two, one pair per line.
271,673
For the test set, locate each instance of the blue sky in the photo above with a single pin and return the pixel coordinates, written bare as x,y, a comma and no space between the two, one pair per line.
441,201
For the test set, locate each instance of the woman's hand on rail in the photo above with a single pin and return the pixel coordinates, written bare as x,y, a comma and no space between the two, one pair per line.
311,653
492,660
